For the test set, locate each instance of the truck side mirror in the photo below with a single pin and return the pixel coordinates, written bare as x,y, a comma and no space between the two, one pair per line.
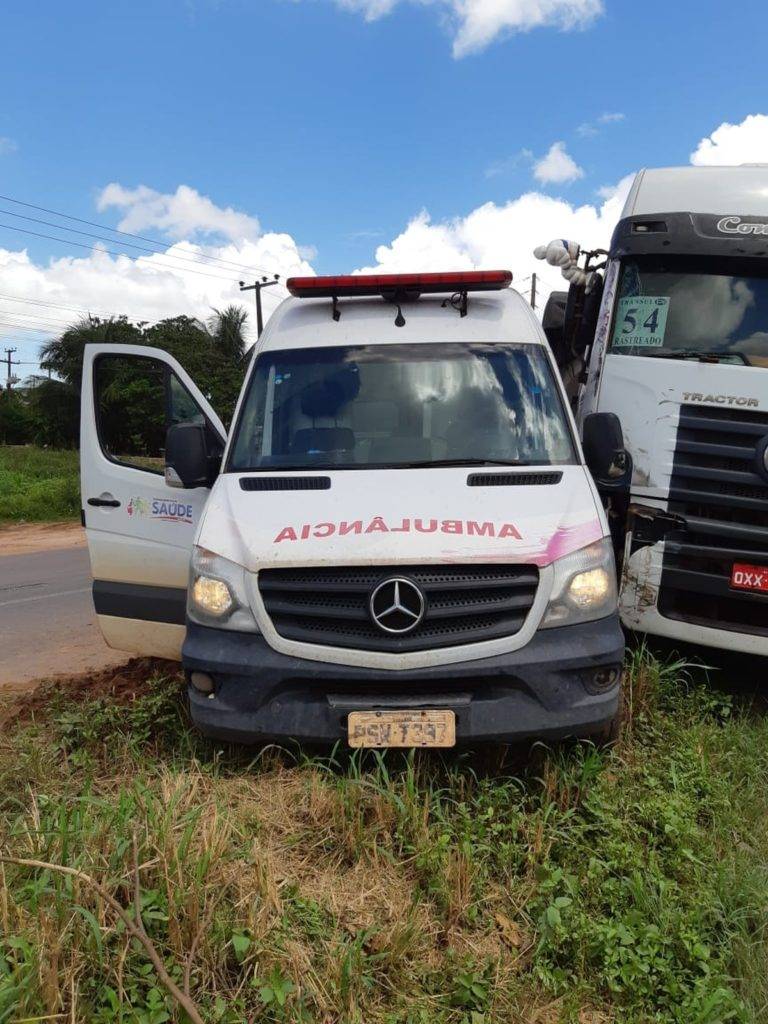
582,311
589,313
189,461
607,459
553,323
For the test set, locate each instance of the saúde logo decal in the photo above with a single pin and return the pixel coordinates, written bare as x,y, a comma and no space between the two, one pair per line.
158,508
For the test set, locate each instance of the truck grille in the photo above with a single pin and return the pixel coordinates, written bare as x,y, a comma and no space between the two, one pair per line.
464,604
716,486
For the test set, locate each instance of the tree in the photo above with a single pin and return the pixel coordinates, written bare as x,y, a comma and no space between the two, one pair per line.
213,354
227,329
64,355
54,410
15,419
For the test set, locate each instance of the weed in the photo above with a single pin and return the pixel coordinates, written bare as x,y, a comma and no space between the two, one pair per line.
38,485
389,889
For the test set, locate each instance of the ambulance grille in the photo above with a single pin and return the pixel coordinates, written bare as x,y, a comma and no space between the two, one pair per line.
716,486
285,483
465,604
513,479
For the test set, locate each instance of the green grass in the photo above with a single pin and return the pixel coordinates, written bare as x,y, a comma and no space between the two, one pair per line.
38,485
582,887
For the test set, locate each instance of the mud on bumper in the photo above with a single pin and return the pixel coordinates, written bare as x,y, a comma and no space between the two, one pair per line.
548,689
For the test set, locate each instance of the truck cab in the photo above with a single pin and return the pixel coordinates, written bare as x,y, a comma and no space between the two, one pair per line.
396,543
680,355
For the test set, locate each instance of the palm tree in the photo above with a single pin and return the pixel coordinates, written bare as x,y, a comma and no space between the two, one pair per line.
63,355
226,327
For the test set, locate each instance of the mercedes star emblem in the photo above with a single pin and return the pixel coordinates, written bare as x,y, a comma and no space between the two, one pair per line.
397,605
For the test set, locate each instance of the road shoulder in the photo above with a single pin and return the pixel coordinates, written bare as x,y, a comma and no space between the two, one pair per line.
27,538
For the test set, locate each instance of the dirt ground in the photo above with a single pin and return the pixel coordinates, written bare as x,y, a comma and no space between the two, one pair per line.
33,537
121,683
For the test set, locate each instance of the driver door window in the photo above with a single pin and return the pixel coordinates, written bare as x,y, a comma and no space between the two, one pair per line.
137,399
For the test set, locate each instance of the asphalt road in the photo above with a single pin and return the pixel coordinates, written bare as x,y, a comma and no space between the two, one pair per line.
47,622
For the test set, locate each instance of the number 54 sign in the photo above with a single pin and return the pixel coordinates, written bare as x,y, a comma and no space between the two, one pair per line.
641,320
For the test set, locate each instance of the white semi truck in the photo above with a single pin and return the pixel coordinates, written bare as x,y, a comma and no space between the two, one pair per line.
668,330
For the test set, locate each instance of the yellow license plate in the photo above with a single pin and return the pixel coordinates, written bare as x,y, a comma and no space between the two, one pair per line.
401,729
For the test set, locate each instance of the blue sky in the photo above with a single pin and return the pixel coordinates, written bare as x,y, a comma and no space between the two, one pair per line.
337,130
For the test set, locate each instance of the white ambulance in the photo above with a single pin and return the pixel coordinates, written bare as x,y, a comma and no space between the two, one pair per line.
397,543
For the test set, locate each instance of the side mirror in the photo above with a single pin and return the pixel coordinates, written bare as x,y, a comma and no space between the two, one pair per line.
553,323
589,313
607,459
582,311
188,460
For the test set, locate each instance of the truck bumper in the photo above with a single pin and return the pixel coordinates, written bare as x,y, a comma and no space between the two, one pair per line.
640,596
565,682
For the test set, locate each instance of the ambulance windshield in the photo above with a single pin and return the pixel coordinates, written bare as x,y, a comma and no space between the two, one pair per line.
379,406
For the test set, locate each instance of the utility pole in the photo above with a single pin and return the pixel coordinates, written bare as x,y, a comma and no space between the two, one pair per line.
256,287
533,290
11,362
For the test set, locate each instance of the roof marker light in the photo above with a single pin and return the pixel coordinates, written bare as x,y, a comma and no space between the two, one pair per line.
389,285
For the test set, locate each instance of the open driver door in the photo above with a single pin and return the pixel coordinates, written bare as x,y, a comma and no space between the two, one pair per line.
140,523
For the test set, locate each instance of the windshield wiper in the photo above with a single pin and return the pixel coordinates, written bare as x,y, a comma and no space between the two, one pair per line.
702,355
417,464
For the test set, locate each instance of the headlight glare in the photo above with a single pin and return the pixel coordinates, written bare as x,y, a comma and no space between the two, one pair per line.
217,594
588,589
212,596
584,587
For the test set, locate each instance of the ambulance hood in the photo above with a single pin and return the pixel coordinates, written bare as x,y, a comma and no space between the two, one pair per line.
403,516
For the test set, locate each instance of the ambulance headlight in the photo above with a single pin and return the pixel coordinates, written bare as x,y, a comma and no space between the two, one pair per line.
584,587
212,596
217,594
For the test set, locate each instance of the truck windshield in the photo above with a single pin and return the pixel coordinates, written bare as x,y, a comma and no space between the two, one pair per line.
688,309
399,406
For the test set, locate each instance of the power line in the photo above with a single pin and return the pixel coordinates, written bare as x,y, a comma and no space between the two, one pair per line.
60,322
56,321
110,252
101,238
117,231
100,313
42,302
33,330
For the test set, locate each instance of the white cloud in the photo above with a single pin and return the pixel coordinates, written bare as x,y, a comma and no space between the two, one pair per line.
508,164
180,214
153,287
370,9
147,287
591,128
502,236
735,143
7,145
477,23
557,166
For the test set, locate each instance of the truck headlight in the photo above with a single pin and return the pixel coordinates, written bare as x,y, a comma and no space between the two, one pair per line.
217,594
584,587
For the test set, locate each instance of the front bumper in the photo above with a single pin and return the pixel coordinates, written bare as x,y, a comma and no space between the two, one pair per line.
540,690
641,603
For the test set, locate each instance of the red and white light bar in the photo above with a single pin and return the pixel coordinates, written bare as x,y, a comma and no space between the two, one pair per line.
387,284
